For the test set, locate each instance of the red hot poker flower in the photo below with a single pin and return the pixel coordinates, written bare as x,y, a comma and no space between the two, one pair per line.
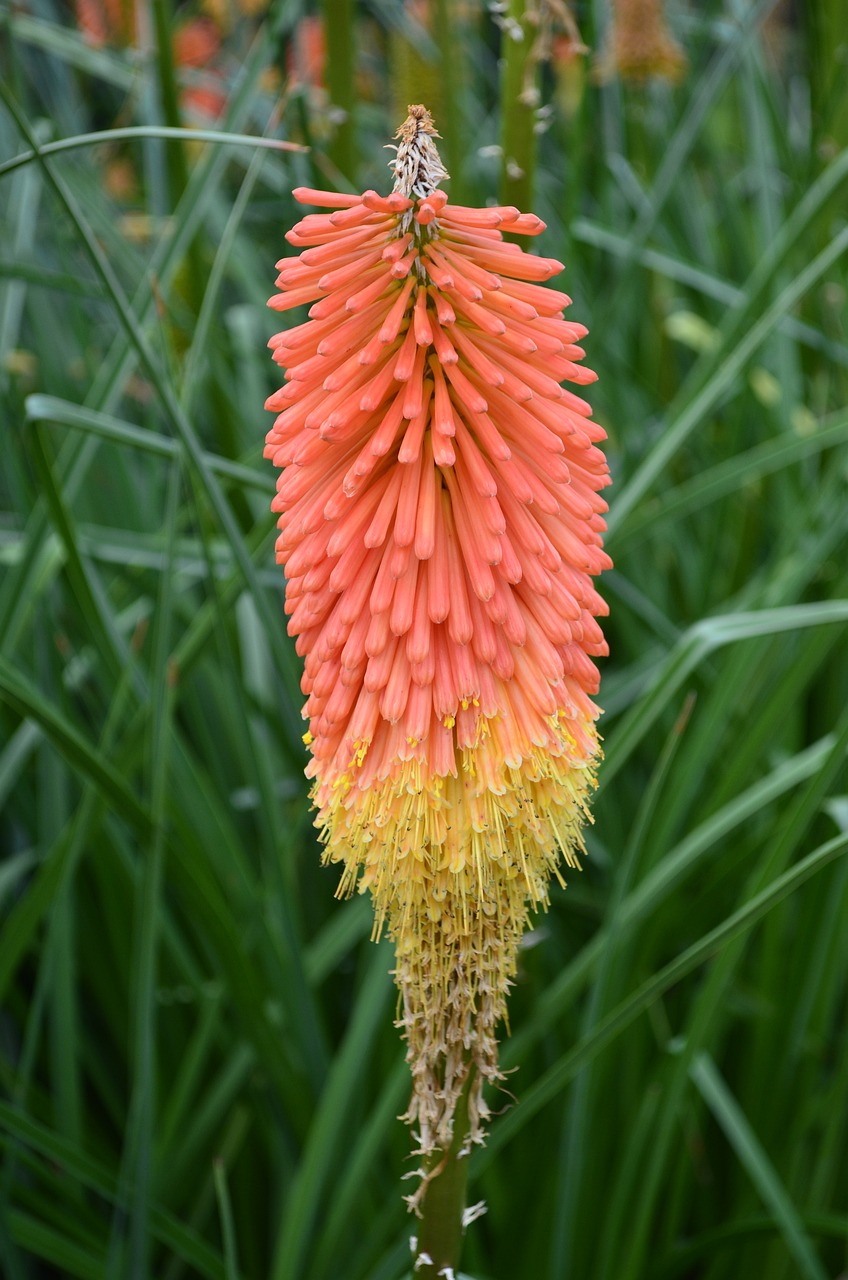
440,525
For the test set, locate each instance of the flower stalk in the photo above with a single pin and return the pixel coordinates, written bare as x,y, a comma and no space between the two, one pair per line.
442,1226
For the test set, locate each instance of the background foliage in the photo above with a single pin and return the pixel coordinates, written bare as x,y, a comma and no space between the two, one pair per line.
199,1073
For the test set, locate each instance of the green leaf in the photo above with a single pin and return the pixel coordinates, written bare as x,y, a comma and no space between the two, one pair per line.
751,1154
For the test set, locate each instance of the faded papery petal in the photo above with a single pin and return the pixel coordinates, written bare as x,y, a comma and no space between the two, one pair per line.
440,527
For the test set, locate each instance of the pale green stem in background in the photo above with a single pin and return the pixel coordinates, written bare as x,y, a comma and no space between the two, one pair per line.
519,100
341,68
828,83
453,65
169,98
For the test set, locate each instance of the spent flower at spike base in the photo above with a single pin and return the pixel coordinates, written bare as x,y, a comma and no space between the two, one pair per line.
440,525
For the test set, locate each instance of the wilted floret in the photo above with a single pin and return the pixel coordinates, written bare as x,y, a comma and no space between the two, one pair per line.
639,44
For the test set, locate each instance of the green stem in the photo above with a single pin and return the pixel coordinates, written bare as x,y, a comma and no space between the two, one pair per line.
519,99
441,1230
341,61
453,62
177,161
826,22
169,97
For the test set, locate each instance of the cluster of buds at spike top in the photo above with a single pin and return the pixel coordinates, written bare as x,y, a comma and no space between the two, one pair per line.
440,524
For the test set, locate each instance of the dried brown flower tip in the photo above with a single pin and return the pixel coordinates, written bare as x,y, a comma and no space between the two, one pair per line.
640,45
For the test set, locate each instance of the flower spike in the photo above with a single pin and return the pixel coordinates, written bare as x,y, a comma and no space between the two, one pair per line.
440,525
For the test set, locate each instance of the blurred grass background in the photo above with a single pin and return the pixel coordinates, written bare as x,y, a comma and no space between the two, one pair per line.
199,1075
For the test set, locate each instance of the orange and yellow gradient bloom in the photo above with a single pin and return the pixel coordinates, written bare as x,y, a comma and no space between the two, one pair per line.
440,527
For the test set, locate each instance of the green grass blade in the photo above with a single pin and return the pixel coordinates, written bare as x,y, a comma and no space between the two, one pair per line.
225,1209
605,1032
753,1157
325,1137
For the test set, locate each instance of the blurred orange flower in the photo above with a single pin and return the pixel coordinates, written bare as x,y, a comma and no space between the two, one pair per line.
306,55
104,22
639,44
196,45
